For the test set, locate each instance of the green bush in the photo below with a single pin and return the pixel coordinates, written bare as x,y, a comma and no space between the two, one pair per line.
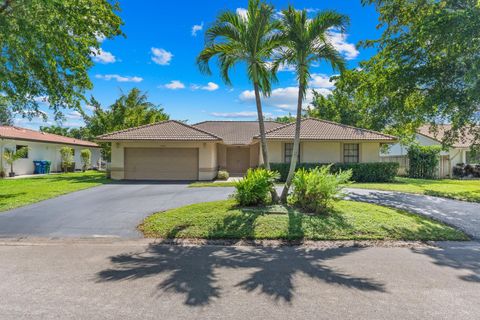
223,175
254,189
361,172
86,156
316,189
66,154
423,161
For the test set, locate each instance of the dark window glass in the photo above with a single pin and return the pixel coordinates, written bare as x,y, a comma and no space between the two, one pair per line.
351,152
18,147
288,152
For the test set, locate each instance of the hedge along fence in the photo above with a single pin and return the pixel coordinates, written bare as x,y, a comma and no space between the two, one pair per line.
361,172
423,161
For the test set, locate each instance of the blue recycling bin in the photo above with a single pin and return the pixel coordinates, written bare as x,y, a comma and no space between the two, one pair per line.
45,165
38,167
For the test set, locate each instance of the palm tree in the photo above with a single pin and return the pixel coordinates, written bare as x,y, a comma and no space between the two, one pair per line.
250,39
306,41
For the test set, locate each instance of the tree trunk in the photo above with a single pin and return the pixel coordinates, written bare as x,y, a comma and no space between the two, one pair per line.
296,146
263,139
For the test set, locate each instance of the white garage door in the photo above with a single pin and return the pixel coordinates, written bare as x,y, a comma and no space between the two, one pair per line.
161,163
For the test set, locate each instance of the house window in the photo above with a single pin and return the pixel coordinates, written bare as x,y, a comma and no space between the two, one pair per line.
288,152
351,152
18,147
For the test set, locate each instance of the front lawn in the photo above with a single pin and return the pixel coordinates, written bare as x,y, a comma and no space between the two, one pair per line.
467,190
349,220
19,192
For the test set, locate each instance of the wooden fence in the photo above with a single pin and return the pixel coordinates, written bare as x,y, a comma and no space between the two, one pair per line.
444,165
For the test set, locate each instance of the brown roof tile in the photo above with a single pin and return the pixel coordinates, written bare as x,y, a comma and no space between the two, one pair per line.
235,132
166,130
464,141
316,129
12,132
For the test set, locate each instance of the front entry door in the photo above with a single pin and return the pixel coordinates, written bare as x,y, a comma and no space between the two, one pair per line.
238,160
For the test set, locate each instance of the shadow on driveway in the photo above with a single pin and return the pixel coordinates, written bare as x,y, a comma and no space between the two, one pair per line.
192,271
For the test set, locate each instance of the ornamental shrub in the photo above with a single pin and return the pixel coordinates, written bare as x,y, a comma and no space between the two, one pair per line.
315,190
86,157
66,154
223,175
423,161
254,189
361,172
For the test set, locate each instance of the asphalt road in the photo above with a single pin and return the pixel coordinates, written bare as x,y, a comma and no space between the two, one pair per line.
141,280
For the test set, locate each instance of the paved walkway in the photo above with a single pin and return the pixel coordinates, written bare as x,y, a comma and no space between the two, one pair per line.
140,280
461,214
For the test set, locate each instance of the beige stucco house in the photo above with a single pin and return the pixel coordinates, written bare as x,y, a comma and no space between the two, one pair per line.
458,152
173,150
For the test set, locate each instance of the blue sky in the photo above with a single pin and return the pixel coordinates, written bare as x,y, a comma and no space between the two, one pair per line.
158,55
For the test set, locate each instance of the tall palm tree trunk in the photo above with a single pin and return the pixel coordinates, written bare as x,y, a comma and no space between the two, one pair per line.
296,146
263,139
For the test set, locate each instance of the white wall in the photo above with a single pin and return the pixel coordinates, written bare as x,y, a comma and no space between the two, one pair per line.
43,151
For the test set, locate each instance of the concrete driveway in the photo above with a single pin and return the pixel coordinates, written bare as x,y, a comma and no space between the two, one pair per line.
107,210
139,279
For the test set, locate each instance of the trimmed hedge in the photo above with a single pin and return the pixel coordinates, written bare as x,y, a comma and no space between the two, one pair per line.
361,172
423,161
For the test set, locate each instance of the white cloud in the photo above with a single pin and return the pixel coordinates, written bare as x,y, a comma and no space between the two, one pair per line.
242,12
283,98
241,114
161,56
319,80
89,107
339,41
174,85
100,37
102,56
74,115
196,28
211,86
118,78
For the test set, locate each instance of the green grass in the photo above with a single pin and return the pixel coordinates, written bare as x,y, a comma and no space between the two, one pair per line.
19,192
466,190
212,184
349,220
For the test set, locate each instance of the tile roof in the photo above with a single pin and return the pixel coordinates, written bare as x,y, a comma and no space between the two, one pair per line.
236,132
464,141
316,129
12,132
169,130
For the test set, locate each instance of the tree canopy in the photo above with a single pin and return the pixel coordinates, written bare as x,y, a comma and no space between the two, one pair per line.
47,47
427,65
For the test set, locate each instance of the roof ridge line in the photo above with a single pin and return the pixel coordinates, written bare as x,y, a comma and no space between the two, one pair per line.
349,126
197,129
132,128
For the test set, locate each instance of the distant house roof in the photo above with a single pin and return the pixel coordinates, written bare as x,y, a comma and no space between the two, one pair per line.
316,129
169,130
464,141
236,132
12,132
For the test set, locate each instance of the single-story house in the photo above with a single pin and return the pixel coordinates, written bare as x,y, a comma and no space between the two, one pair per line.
459,152
172,150
42,146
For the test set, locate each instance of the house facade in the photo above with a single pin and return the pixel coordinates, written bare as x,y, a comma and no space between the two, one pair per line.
42,146
459,152
173,150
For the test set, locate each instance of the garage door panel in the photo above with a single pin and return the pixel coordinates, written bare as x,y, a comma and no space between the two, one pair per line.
161,163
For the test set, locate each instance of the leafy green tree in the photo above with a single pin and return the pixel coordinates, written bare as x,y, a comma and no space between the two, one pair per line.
77,133
305,41
11,156
251,40
66,155
285,119
46,48
427,65
86,157
345,105
129,110
6,117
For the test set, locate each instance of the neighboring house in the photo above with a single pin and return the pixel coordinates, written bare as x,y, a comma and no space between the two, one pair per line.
173,150
459,152
42,146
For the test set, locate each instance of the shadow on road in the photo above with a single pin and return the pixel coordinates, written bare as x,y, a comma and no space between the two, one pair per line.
192,271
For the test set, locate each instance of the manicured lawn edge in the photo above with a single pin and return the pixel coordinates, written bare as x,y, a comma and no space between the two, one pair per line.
350,221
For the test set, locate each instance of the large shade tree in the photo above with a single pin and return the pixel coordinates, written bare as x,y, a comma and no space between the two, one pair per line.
46,49
427,65
304,42
249,39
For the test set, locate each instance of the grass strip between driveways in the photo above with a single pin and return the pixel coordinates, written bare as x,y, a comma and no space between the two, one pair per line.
15,193
465,190
349,220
